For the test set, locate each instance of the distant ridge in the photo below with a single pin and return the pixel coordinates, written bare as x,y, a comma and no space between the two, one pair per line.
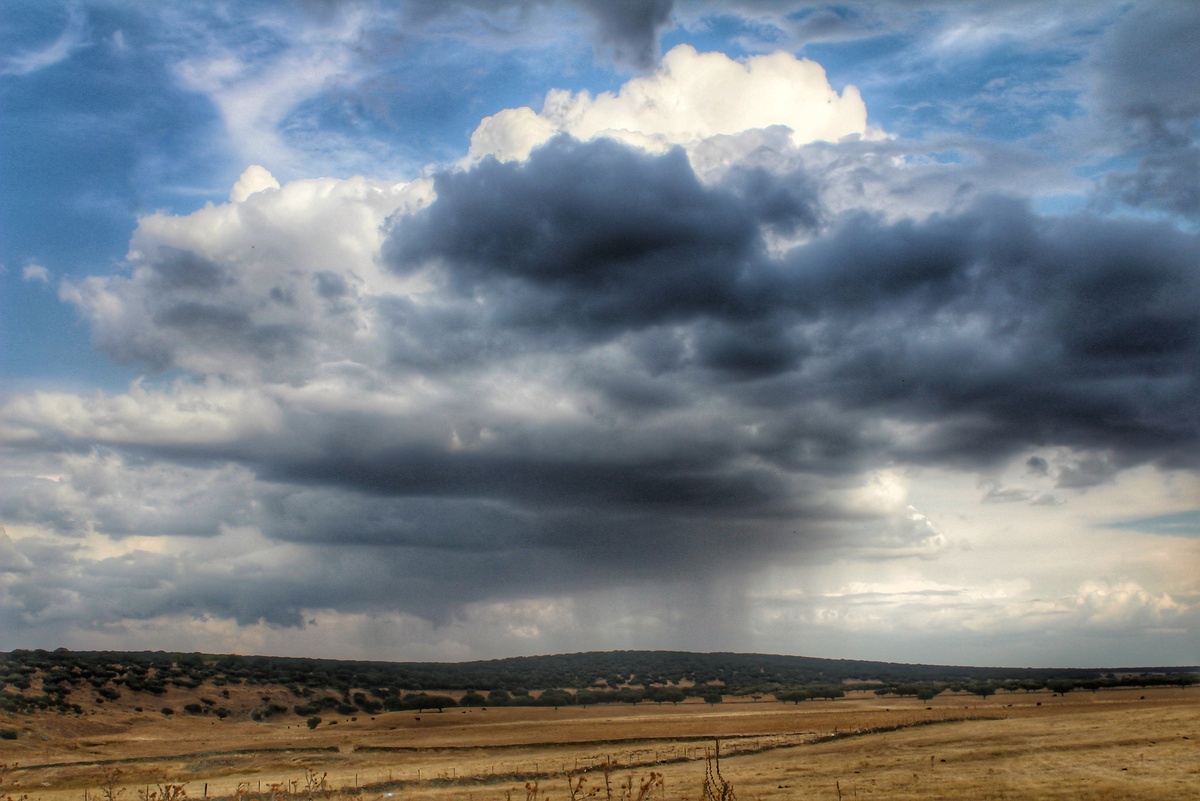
577,670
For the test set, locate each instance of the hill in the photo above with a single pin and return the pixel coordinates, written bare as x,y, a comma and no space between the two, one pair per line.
264,686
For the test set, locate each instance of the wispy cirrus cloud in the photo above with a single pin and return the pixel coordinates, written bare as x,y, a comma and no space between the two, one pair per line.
71,39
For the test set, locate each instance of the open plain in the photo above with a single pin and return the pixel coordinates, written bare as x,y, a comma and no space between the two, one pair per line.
1112,744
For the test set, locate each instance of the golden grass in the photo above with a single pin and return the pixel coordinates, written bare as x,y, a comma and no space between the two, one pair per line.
1114,744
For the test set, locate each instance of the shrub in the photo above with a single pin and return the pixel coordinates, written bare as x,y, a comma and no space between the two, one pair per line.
314,722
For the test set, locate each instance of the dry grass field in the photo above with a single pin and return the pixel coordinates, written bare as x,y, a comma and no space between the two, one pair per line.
1112,744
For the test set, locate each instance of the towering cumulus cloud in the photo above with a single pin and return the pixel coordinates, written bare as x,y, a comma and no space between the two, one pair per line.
690,97
706,361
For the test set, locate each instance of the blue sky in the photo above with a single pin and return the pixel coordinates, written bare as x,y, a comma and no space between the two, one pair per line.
428,330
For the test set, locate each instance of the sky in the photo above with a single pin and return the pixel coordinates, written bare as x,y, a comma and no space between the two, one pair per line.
428,330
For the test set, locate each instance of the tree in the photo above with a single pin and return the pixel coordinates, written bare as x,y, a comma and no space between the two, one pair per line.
659,694
313,722
556,698
982,688
671,695
422,701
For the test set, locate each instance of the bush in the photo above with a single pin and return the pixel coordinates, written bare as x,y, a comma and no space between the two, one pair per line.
166,710
314,722
8,734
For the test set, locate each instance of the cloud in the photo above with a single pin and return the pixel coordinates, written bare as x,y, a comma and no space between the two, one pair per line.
625,31
209,292
1147,68
11,560
1173,524
33,272
255,178
266,86
629,28
635,352
623,240
199,414
72,38
92,492
256,96
1000,610
1119,603
945,26
691,96
996,494
551,367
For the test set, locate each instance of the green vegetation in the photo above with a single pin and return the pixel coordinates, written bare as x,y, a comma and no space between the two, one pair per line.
32,681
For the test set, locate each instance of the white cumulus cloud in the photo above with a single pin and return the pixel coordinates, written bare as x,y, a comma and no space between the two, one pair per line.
690,97
33,272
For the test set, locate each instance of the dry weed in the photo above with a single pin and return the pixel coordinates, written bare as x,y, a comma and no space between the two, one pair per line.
10,789
716,788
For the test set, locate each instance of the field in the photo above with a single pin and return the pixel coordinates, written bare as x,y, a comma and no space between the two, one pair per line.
1111,744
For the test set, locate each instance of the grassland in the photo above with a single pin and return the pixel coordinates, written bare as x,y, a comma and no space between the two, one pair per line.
1111,744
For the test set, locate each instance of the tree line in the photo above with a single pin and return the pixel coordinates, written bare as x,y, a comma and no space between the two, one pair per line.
351,687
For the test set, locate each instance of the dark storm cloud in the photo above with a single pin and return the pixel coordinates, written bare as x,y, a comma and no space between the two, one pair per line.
629,28
786,204
478,549
1012,329
595,233
692,486
624,30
